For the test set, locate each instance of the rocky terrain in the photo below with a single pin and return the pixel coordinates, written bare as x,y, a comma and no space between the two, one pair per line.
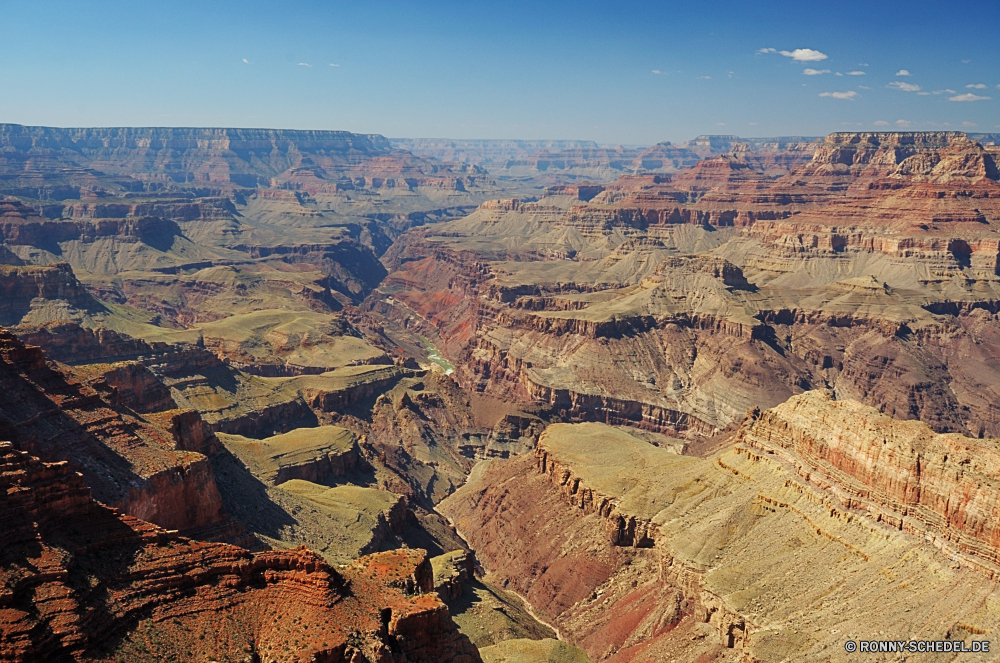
284,395
547,163
762,551
675,303
85,582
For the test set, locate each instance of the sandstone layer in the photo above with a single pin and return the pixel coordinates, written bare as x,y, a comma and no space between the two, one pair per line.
83,582
676,303
754,553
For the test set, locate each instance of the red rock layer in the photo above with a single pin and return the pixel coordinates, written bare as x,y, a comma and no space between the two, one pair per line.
149,471
941,487
81,582
920,209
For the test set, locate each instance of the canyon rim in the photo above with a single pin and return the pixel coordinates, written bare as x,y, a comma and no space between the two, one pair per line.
684,348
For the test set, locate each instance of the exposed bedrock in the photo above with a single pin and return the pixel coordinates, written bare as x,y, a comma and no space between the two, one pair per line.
153,467
938,487
104,585
756,553
318,455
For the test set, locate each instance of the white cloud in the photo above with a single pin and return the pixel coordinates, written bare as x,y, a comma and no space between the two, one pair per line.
903,72
966,61
905,87
855,73
304,64
247,61
923,94
805,55
705,78
969,124
334,65
658,72
839,95
903,123
815,72
976,86
944,91
881,123
751,124
863,64
968,96
838,74
720,124
768,50
863,87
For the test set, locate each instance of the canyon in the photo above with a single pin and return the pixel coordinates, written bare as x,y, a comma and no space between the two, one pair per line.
276,395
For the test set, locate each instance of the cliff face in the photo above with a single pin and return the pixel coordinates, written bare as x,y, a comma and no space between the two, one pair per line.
146,468
939,487
870,269
104,585
639,554
148,159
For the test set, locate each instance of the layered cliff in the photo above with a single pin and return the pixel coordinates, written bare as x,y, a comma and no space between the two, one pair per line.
638,554
148,159
871,270
939,487
83,582
153,468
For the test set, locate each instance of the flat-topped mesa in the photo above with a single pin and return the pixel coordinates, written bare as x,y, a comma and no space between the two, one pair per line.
942,487
630,548
112,141
58,164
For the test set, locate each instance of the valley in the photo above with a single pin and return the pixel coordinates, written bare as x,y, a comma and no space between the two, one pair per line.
276,395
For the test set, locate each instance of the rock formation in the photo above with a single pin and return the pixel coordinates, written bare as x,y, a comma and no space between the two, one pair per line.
675,304
83,582
763,549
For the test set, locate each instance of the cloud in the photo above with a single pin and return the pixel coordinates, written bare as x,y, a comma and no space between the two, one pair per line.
976,86
768,50
705,78
881,123
862,64
815,72
334,65
863,87
923,94
658,72
304,64
246,61
903,72
838,74
903,123
720,124
839,95
966,61
969,124
944,91
751,124
968,96
905,87
805,55
855,73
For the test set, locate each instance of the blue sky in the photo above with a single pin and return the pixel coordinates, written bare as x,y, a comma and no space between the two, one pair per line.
622,72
